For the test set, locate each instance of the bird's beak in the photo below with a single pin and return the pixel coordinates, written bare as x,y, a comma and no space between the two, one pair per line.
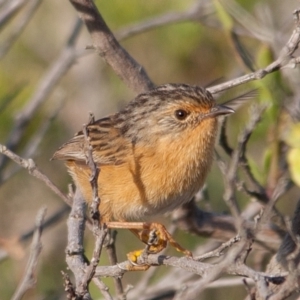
220,110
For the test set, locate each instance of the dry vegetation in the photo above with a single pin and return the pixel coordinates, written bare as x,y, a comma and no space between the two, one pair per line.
245,222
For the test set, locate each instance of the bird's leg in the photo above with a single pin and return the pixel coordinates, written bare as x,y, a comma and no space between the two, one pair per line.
155,235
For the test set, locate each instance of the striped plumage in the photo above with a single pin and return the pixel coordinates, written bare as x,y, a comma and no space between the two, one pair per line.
154,154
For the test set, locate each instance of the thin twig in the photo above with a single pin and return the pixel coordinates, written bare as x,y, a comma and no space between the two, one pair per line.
112,256
222,227
219,251
45,87
10,11
239,158
259,192
91,268
33,170
53,219
29,280
99,230
15,33
198,12
230,174
210,275
285,59
33,143
103,288
69,288
256,114
95,170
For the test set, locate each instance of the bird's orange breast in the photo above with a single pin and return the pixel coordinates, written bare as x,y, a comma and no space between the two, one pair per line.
154,178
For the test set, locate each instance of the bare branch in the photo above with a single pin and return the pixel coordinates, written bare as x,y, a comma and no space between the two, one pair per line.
14,34
196,13
75,251
33,143
28,280
256,115
95,170
195,289
219,251
50,80
112,256
99,231
106,45
285,59
190,217
53,219
190,265
222,227
10,11
100,235
69,289
103,288
30,165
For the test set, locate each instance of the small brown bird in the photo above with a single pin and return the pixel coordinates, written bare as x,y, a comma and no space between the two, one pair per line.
154,155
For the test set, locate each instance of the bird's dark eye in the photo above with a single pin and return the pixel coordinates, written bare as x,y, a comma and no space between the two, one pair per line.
181,114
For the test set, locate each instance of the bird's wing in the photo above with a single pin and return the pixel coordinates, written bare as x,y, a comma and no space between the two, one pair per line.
108,145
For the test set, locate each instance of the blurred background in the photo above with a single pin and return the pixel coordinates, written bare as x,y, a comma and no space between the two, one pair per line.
196,51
